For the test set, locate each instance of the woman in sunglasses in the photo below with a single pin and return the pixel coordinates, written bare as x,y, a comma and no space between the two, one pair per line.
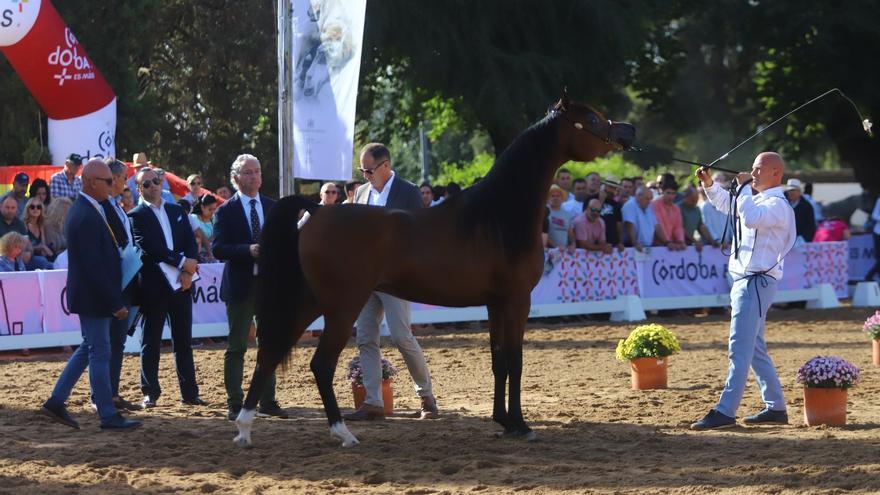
33,219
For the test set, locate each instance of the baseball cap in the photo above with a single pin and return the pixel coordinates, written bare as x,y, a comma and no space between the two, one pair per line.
793,184
21,177
75,159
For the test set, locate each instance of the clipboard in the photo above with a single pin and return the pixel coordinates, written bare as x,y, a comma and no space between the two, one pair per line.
172,276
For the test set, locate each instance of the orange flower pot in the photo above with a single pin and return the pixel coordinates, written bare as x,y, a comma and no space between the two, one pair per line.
824,406
876,346
360,393
648,373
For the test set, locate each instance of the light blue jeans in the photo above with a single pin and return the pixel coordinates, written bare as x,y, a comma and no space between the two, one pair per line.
94,353
747,347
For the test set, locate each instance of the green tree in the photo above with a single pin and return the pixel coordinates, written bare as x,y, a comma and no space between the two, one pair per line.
504,62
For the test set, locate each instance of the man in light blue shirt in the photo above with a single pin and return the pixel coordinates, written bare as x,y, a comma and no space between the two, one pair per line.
639,221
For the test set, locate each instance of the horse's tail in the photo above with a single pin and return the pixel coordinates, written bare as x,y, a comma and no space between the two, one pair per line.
280,279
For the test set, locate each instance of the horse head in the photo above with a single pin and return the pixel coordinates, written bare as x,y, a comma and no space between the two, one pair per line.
589,133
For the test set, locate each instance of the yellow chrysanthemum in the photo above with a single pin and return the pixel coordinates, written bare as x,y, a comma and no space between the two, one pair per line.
649,340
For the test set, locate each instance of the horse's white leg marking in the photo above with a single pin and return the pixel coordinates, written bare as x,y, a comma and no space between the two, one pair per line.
340,431
244,422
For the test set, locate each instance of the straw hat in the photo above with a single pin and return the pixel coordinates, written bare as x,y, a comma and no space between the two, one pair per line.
140,160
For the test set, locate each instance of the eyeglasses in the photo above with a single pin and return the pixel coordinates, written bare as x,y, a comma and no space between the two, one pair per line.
106,180
371,171
35,207
150,182
595,210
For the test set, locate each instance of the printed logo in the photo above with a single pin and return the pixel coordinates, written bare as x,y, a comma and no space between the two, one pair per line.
17,17
70,61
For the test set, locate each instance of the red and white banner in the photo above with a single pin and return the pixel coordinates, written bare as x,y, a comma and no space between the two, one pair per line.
62,78
327,40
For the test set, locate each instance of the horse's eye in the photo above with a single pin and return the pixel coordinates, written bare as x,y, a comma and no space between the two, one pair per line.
593,120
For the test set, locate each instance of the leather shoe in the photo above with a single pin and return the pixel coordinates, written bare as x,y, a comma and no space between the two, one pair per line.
148,402
193,402
59,415
232,413
713,421
124,405
120,422
272,409
429,408
366,412
767,417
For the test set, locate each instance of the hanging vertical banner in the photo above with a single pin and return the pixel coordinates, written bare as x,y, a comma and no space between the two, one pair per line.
327,40
61,77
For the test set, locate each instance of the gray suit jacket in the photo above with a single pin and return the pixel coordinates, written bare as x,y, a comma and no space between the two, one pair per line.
404,195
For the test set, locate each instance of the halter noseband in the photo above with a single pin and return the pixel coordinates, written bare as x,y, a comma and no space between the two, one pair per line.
591,127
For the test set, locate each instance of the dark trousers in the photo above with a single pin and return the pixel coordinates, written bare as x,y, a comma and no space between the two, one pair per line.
876,269
240,315
118,336
178,308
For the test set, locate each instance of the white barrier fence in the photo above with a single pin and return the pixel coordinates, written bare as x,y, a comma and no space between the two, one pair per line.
623,284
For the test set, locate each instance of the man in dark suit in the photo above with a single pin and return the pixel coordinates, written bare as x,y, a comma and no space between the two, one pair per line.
120,224
162,231
94,292
385,189
237,226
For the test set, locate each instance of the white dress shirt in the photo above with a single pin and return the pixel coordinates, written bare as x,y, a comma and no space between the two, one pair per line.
377,198
246,205
768,230
162,216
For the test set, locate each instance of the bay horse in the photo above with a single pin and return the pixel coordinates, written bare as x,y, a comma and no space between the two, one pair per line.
479,247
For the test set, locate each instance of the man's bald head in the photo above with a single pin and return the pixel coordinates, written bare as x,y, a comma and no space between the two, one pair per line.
97,179
767,171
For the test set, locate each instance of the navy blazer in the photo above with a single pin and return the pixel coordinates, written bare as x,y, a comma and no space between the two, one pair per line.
149,237
404,195
232,241
94,267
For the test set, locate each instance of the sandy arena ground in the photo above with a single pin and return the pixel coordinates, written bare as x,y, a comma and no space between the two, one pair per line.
595,434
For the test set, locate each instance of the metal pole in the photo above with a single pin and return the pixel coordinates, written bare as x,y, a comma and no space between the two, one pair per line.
423,141
285,100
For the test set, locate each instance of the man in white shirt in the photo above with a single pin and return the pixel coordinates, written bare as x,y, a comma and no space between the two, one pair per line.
768,233
386,190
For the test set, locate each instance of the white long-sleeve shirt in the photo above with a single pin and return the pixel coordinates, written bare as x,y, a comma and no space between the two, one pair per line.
768,230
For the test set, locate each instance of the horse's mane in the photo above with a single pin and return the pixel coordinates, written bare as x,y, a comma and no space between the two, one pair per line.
505,206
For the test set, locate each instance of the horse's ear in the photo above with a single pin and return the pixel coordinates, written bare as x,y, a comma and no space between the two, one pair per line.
562,104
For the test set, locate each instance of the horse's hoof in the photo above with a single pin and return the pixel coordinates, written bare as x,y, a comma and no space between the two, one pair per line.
242,442
528,436
339,430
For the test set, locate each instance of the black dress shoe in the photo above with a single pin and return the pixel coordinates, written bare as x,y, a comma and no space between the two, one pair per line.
148,402
59,415
120,422
233,412
124,405
194,402
272,409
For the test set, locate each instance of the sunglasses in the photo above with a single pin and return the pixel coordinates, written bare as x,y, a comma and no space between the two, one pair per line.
371,171
35,207
150,182
595,210
105,180
331,191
